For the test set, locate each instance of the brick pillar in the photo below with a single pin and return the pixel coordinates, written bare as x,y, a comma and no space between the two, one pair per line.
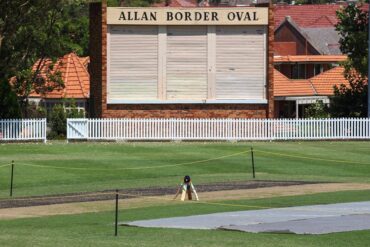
270,59
104,32
97,50
95,59
270,89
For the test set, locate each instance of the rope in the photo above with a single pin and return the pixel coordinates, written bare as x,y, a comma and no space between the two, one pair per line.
312,158
133,168
198,202
4,165
58,197
129,195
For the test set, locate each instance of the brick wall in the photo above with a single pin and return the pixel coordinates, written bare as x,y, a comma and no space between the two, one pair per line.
95,67
99,107
186,111
285,48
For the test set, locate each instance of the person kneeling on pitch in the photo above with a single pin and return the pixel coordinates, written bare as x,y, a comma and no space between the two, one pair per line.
187,187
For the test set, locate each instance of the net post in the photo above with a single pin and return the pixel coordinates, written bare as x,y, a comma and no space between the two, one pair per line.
11,179
252,156
116,216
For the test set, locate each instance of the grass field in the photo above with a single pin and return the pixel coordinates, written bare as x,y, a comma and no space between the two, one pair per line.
96,229
110,159
99,166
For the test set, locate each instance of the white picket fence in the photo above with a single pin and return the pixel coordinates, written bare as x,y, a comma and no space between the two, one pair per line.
23,130
218,129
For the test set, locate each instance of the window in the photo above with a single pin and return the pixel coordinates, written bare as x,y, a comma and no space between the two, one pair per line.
240,62
318,69
133,63
186,64
298,71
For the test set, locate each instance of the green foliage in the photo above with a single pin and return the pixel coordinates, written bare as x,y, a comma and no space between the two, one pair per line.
9,106
35,111
58,118
113,3
353,28
350,101
72,111
75,26
58,122
28,81
30,30
353,31
317,110
39,30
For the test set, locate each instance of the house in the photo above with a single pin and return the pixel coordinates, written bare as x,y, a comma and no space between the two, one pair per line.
306,29
74,73
306,57
293,95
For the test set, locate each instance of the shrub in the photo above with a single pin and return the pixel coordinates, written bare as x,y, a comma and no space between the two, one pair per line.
317,110
58,119
58,122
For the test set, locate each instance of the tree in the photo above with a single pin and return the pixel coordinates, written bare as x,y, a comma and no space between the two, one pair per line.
42,31
351,101
353,31
75,26
9,107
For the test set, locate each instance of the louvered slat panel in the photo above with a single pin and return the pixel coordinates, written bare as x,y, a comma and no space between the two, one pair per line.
186,62
132,64
240,62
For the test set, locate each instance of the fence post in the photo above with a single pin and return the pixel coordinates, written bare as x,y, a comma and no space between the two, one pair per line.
45,128
11,179
252,155
116,216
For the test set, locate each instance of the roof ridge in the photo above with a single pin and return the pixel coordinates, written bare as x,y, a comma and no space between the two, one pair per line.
320,18
65,75
78,75
313,87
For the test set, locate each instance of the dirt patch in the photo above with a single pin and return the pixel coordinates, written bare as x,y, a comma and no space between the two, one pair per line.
148,201
131,193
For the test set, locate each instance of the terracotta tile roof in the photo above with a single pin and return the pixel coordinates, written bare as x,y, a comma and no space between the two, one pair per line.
75,76
309,58
283,86
85,61
325,82
321,84
310,15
